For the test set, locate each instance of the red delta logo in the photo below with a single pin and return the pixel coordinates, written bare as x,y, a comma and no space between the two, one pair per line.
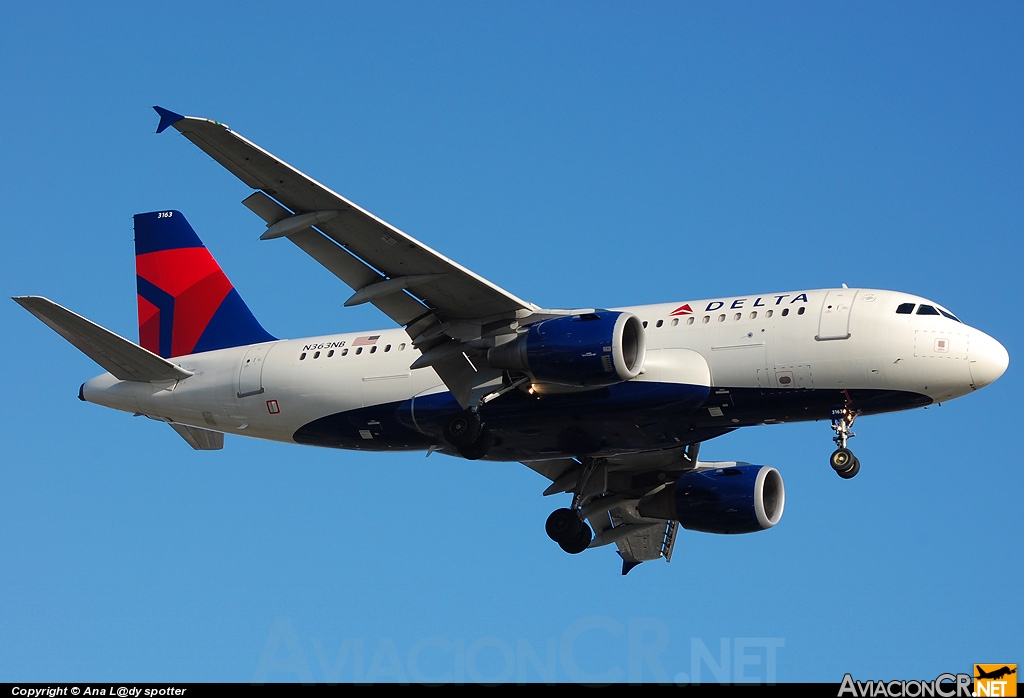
684,309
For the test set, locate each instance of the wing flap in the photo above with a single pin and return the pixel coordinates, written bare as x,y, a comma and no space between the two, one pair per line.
124,359
645,543
638,539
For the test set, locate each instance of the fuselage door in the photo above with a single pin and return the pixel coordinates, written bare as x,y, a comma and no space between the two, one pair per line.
834,322
250,375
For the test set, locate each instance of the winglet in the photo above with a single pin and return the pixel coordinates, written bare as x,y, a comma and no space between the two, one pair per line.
167,118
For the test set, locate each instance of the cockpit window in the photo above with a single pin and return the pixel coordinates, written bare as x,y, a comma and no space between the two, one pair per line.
905,309
950,315
927,310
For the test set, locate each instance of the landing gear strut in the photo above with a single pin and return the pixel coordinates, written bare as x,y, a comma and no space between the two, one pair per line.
842,459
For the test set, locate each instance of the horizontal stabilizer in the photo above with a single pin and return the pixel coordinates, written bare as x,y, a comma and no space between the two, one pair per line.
125,360
200,439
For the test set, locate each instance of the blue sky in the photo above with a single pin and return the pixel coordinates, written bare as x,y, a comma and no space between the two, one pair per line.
581,154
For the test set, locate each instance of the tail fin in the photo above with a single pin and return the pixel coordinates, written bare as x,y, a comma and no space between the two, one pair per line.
186,303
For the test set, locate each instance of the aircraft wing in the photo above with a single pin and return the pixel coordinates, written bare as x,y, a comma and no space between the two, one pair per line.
444,306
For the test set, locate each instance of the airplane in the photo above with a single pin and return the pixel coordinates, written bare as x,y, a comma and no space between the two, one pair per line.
609,405
995,673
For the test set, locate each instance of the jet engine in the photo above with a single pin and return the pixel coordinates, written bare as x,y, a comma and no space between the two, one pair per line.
735,499
586,350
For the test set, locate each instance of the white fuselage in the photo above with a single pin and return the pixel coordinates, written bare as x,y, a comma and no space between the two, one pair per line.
778,347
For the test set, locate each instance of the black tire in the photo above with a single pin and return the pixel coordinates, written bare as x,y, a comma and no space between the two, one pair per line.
477,449
841,460
851,471
563,526
580,542
463,429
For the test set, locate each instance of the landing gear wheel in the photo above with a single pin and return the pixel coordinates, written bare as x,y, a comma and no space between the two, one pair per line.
464,428
854,469
467,433
563,525
580,542
841,459
477,449
844,463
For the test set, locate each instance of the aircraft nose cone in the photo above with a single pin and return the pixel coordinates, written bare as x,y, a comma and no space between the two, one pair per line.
988,359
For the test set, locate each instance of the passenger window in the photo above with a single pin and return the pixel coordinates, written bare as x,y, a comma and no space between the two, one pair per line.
706,319
905,309
660,323
769,313
675,321
373,349
753,314
689,320
927,310
387,348
737,316
785,312
316,355
344,352
330,353
801,310
401,347
645,324
721,318
302,356
359,350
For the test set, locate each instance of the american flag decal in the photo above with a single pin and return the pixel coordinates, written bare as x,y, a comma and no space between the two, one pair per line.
366,341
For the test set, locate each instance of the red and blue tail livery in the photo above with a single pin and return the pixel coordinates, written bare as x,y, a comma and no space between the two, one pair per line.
187,304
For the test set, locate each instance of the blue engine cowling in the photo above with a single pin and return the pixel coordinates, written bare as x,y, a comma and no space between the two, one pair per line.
590,349
734,499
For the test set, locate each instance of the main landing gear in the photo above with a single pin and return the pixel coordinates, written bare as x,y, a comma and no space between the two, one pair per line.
842,459
468,434
566,528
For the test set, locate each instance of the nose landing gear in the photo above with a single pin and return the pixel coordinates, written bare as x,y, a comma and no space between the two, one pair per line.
844,463
842,459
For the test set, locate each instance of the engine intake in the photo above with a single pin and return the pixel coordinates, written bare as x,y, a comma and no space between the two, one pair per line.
736,499
591,349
